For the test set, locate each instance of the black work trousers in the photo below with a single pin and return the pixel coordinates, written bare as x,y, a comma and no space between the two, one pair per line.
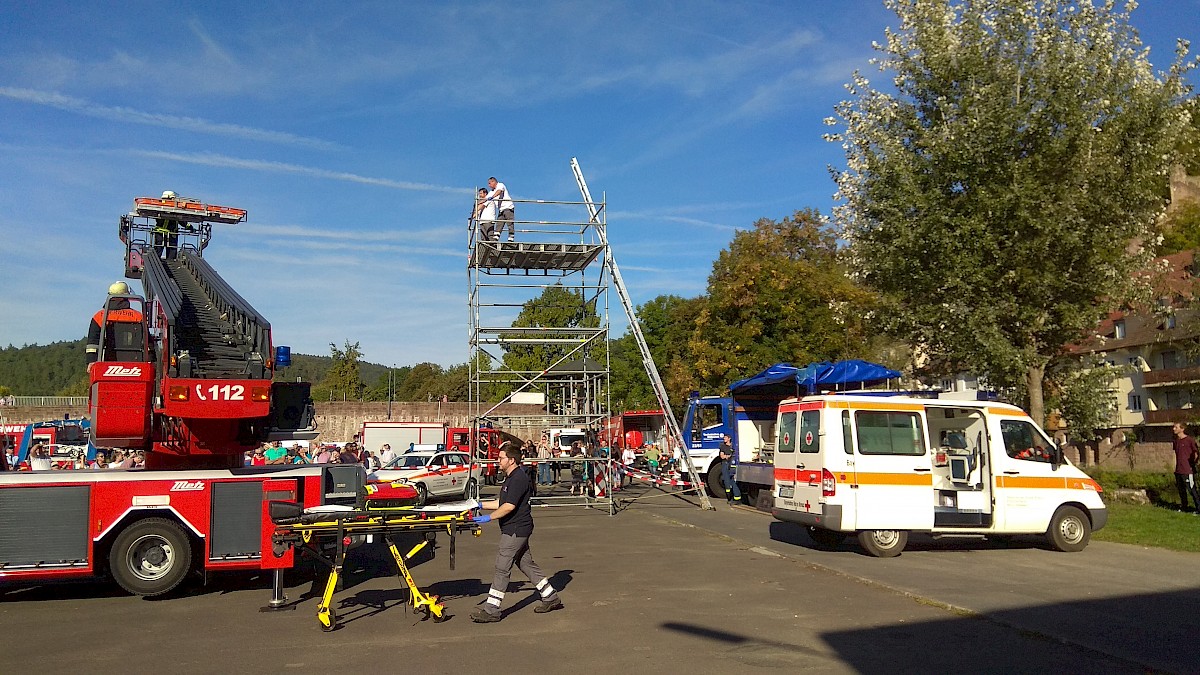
1185,483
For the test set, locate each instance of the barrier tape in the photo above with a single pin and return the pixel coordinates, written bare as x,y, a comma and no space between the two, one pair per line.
651,478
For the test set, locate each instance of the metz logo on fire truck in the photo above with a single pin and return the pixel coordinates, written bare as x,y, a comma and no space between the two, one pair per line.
187,485
122,371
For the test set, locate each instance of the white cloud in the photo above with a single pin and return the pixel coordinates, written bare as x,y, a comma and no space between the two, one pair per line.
132,116
223,161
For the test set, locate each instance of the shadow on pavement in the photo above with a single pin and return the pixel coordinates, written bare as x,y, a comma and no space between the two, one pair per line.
998,643
797,535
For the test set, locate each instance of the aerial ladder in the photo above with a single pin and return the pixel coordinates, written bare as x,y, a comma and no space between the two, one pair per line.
188,379
660,391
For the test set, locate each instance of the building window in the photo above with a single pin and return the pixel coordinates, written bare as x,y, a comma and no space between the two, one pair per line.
1170,359
1119,329
948,385
1135,403
1176,399
1169,322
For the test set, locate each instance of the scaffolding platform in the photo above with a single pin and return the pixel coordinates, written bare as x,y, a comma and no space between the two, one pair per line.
558,257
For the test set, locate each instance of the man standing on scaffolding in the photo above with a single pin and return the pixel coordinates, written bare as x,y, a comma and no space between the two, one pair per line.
516,526
503,199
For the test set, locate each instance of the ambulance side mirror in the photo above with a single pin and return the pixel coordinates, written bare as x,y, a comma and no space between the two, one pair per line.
1056,456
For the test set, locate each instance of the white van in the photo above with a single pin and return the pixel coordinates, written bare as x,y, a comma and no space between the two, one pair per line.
881,467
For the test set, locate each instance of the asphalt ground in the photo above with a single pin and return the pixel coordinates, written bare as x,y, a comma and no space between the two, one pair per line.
647,590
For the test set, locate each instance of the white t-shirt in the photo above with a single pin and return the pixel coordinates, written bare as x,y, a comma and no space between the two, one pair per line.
387,457
629,456
39,464
501,194
489,211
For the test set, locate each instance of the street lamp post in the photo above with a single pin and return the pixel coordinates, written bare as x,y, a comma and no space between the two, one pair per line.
391,389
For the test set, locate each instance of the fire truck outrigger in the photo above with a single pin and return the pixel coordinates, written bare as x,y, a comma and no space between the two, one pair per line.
184,375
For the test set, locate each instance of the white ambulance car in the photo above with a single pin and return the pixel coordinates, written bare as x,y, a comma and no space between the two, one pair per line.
881,467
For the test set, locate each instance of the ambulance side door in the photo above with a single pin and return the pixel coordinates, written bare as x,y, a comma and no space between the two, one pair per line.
1028,489
894,469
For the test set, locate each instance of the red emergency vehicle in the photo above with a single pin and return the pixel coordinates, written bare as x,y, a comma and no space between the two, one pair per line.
183,374
483,444
634,429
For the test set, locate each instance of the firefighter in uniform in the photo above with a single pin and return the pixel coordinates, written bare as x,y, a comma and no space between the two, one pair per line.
119,311
516,526
166,233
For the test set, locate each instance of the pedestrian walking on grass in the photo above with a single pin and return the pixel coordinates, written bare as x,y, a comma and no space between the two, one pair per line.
516,527
1186,455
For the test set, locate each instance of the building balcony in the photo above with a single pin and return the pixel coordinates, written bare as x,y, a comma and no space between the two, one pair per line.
1186,415
1168,376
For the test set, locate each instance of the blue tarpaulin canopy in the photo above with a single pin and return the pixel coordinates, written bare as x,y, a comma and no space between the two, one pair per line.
784,379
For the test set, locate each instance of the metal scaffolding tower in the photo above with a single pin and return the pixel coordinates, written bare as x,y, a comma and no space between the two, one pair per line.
538,328
538,323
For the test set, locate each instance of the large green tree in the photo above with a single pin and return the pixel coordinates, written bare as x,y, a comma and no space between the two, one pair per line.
343,381
778,293
667,323
556,307
996,189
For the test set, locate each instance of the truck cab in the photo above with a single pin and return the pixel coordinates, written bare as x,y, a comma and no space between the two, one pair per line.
751,425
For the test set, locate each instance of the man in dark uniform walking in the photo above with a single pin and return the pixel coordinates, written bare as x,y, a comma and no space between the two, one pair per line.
732,492
516,526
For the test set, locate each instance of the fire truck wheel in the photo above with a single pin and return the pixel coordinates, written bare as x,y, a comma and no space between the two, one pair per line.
1070,530
713,480
883,543
422,494
824,538
472,490
150,557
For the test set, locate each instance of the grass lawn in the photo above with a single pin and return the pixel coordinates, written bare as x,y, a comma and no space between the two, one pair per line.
1151,526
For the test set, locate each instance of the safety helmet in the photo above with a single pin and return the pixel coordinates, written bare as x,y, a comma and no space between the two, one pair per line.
168,194
118,288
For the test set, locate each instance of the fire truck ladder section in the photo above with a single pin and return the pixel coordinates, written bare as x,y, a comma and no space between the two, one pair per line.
211,331
635,327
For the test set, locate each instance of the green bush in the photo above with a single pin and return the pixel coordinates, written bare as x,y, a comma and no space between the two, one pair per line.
1159,487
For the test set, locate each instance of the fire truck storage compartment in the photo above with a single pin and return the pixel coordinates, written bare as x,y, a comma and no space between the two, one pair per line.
44,526
344,483
236,520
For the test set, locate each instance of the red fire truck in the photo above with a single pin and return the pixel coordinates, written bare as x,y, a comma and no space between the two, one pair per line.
183,374
634,428
483,444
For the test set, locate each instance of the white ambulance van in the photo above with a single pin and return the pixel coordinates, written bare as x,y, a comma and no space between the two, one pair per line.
880,467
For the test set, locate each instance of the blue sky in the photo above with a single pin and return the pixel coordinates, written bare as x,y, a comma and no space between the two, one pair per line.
353,133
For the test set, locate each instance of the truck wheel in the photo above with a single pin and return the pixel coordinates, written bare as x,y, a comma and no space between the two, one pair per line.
422,494
824,538
1070,530
713,481
883,543
472,490
150,557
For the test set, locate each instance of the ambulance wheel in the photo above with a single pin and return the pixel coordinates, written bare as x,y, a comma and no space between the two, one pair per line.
150,557
1070,530
825,538
472,490
883,543
713,480
422,494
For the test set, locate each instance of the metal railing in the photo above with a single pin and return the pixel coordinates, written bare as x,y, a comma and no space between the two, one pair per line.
44,401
